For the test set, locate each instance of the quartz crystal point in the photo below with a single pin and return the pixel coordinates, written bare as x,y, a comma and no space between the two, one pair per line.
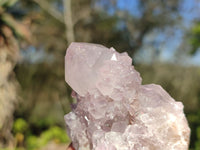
113,110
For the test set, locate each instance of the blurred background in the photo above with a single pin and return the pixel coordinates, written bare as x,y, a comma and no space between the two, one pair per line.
162,37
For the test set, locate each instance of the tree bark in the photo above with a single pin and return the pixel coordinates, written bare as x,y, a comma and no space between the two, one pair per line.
9,52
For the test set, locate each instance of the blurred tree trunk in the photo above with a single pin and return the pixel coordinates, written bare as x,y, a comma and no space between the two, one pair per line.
9,52
74,12
66,18
10,29
68,21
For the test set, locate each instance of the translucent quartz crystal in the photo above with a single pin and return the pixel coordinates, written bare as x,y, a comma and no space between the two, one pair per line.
113,110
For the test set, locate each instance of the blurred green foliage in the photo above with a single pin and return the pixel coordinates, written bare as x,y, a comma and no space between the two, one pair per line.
7,3
55,134
25,136
195,38
32,142
194,121
20,125
197,144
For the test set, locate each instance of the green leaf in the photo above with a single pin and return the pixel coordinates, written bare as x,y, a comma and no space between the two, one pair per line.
20,125
7,3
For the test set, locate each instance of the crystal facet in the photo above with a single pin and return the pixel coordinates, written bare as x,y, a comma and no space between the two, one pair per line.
113,110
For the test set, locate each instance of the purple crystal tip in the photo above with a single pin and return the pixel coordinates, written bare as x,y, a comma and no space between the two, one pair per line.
113,110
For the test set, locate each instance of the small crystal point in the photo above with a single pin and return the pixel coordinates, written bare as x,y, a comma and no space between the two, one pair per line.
114,111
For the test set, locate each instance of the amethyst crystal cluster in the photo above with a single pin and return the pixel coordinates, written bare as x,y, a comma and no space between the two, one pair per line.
113,110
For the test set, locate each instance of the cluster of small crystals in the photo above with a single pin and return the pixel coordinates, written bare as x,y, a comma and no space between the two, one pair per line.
113,110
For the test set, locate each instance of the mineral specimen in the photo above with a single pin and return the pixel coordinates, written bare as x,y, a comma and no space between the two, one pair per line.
113,110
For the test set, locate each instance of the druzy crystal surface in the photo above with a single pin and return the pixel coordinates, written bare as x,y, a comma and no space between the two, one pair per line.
113,110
